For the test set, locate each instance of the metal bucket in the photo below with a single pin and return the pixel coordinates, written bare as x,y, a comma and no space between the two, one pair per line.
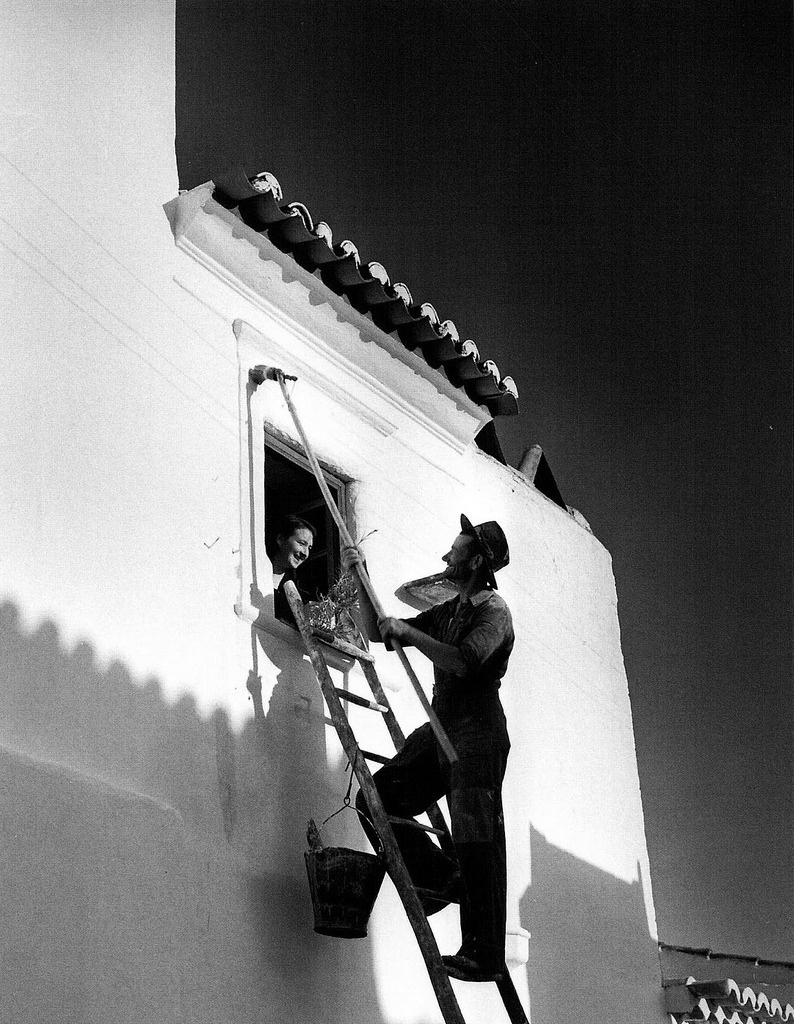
344,885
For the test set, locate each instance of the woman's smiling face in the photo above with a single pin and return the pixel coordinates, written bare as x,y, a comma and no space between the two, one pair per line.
293,550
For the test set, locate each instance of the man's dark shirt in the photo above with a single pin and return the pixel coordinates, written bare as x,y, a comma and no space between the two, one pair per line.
482,631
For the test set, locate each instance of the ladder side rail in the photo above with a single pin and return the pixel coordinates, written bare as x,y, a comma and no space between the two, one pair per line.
395,730
434,812
394,862
507,990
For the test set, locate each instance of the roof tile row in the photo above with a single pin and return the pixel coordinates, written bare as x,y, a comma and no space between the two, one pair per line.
258,202
725,1002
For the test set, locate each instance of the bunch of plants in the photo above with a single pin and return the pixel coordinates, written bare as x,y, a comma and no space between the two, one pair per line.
331,616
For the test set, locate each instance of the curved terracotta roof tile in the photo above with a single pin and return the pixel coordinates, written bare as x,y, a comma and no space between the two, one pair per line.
465,366
267,182
345,272
394,313
262,211
294,230
368,294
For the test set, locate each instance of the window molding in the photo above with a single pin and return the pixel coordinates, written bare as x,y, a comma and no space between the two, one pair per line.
255,596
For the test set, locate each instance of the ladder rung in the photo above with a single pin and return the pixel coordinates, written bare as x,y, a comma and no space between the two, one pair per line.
432,894
339,644
353,698
414,824
380,758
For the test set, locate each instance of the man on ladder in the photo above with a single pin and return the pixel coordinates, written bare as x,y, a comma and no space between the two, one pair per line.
469,640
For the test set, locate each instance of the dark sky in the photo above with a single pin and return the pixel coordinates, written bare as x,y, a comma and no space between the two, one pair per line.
599,195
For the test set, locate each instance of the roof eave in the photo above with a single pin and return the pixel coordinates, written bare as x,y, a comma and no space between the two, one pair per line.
212,235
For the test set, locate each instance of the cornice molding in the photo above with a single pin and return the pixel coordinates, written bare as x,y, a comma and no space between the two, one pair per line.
388,386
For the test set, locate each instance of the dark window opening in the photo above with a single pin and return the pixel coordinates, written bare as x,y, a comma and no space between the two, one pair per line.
290,487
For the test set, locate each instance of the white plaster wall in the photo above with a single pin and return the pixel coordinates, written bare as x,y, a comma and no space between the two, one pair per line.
132,767
118,410
129,752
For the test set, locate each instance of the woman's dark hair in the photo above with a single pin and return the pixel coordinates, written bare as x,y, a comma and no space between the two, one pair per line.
285,527
288,524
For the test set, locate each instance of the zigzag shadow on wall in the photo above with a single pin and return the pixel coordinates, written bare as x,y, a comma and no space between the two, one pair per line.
157,853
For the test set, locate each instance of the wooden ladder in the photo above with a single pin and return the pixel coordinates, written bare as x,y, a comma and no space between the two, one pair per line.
335,699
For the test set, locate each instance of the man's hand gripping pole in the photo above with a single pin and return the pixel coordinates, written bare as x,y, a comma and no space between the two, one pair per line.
258,375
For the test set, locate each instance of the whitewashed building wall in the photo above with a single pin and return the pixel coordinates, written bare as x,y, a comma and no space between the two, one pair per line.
153,829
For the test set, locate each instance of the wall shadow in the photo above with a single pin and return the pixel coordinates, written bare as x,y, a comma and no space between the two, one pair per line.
158,854
591,957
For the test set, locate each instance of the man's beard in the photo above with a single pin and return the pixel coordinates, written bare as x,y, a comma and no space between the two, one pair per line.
458,573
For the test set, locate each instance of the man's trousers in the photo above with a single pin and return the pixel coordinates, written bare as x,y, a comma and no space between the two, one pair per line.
417,777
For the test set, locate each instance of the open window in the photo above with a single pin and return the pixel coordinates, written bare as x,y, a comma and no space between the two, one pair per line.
291,488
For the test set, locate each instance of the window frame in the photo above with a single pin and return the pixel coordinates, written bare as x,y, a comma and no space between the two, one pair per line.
339,484
260,421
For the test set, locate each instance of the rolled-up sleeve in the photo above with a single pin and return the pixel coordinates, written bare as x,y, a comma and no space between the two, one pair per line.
491,627
426,621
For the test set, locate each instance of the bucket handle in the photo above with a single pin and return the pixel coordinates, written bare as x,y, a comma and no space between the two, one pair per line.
313,833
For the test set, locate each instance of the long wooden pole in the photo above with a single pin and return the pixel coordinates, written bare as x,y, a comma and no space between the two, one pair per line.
261,373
